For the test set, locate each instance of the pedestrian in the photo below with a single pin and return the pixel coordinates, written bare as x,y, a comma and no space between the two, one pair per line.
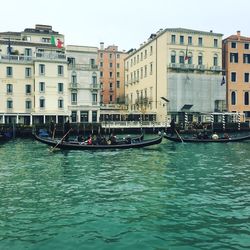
172,127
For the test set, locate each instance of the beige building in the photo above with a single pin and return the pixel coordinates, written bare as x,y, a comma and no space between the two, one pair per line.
175,72
33,76
236,62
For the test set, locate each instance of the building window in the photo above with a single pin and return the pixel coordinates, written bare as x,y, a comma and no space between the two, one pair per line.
173,57
84,116
234,57
60,103
117,56
9,89
141,56
27,72
101,55
101,64
94,99
74,78
145,70
41,87
246,77
110,74
173,39
151,50
200,42
145,54
117,84
215,60
9,71
246,58
60,87
200,60
111,98
246,98
246,46
151,68
190,40
181,39
118,65
41,69
141,72
9,104
94,78
27,52
28,104
28,89
117,74
110,56
42,102
73,98
110,65
110,86
60,70
216,43
101,74
94,116
233,98
233,45
74,116
233,77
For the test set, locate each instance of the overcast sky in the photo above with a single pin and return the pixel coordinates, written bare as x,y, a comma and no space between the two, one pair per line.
125,23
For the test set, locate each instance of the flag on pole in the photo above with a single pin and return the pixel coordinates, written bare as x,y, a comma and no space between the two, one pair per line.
223,81
52,40
9,49
59,43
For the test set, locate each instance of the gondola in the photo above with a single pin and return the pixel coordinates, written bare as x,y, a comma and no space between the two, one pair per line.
196,140
74,145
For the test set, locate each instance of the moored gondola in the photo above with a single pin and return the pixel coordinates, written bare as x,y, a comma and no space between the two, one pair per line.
75,145
207,140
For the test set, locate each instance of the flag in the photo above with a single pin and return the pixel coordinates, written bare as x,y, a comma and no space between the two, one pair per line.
9,49
223,81
186,56
52,40
59,43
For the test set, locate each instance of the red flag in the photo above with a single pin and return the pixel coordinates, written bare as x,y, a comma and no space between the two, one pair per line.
59,43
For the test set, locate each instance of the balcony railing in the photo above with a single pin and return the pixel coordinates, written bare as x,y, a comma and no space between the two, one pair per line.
83,67
19,58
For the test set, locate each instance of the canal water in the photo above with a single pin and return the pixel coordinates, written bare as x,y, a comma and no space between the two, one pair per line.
169,196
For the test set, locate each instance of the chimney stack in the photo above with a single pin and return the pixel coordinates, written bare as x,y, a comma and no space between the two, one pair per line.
102,45
238,34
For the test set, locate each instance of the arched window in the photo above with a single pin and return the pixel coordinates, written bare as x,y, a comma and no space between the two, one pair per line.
233,98
246,98
215,60
181,57
173,56
200,59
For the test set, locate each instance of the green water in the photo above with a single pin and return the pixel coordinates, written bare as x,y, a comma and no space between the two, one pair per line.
169,196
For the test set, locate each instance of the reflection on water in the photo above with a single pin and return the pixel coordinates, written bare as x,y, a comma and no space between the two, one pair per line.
170,196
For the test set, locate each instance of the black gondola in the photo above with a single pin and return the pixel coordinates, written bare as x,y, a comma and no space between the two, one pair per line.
196,140
74,145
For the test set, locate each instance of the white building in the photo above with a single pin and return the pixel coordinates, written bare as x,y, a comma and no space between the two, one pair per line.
33,76
84,87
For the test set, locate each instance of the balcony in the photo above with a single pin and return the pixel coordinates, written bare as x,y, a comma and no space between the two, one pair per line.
74,85
201,67
50,56
16,58
83,67
216,68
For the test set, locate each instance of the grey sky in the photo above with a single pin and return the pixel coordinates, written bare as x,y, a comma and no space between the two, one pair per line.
125,23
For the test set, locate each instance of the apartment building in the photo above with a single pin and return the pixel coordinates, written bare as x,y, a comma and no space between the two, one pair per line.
236,62
33,76
175,72
111,65
84,86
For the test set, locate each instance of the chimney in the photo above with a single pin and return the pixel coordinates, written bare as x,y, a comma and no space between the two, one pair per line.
238,34
102,45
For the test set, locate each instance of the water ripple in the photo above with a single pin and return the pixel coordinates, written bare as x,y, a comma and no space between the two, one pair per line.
172,196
